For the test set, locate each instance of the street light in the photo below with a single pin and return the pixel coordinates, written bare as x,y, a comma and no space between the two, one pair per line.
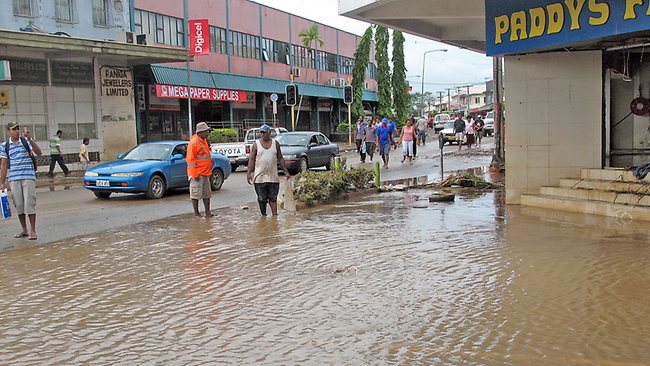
424,59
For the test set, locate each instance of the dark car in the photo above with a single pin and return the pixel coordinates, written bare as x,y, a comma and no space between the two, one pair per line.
305,150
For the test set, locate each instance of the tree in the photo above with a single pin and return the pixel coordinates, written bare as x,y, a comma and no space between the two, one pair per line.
401,98
308,37
422,102
382,38
361,58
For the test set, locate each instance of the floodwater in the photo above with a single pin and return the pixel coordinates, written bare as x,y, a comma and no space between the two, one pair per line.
381,279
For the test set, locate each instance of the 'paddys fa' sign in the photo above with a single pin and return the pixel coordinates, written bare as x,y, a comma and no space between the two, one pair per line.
517,26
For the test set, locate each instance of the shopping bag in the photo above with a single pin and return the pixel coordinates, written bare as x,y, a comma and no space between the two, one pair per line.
4,202
289,202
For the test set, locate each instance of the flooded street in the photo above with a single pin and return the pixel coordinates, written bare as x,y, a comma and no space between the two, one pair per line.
381,279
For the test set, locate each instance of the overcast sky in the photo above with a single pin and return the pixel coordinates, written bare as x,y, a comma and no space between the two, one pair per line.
450,69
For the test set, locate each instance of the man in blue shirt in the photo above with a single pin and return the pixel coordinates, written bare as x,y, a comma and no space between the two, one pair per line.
384,140
393,133
22,175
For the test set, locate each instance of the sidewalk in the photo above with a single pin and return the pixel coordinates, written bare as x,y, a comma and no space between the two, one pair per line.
74,179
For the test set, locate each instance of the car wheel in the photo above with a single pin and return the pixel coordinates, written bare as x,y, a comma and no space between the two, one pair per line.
156,187
101,194
304,166
331,163
216,180
233,167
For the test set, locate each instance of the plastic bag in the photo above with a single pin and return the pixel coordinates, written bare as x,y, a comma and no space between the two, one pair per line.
4,202
289,202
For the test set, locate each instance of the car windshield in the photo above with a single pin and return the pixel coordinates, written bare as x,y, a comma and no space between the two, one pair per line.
449,125
292,140
149,152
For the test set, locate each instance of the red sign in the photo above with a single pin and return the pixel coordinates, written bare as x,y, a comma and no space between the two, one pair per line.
180,92
199,37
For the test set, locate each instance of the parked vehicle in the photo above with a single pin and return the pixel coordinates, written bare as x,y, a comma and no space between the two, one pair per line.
489,123
448,134
238,153
152,168
439,121
306,150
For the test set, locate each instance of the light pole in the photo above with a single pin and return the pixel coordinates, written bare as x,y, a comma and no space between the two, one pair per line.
424,59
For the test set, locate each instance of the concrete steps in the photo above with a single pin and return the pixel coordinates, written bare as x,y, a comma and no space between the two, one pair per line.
606,192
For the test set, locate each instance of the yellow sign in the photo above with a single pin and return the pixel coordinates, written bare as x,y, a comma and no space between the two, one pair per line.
4,99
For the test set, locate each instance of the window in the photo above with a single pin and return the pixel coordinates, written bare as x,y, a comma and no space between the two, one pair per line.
23,8
165,29
27,106
100,12
75,112
64,11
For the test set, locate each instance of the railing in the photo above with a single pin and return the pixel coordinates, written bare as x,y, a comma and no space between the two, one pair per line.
241,126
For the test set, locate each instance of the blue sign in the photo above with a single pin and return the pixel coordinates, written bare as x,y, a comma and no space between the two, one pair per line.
517,26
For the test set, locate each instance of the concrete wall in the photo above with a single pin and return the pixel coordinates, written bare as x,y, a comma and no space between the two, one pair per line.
554,118
82,26
117,112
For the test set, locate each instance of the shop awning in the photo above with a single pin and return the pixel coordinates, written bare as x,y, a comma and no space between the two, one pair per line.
199,78
61,47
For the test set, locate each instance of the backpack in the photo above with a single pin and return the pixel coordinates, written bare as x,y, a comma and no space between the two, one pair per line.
29,151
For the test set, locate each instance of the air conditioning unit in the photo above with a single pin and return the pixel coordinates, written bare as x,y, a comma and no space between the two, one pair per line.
295,72
366,85
144,39
333,82
125,37
349,63
340,82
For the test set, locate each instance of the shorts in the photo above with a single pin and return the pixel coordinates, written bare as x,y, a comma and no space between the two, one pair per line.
459,136
407,148
267,192
200,188
384,149
24,196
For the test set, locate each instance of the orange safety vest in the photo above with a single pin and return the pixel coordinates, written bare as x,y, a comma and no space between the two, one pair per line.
199,160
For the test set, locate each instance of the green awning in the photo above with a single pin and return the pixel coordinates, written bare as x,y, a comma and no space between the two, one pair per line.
205,79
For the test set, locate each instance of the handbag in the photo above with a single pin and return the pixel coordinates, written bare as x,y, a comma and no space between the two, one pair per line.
4,202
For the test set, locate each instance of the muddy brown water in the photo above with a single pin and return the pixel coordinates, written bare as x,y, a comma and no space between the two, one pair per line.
382,279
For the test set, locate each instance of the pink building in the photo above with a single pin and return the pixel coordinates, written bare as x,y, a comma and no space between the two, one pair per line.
254,50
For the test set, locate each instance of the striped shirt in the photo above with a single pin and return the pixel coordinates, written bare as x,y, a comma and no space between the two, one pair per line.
21,163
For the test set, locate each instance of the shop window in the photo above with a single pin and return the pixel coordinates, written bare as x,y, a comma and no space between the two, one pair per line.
24,8
74,112
64,10
25,104
100,13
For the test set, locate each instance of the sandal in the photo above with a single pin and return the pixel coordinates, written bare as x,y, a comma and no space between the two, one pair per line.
32,237
21,235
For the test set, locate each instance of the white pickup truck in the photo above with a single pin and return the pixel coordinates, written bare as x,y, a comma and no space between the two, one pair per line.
239,152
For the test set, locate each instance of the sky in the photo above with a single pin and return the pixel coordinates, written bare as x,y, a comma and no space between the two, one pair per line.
456,67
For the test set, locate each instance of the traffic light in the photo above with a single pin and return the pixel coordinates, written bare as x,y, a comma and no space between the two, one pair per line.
292,94
348,96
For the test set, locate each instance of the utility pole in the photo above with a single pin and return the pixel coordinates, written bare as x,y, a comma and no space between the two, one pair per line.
498,160
449,99
440,98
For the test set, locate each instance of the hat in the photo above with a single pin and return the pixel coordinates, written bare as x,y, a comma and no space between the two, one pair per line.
384,120
13,124
265,128
202,126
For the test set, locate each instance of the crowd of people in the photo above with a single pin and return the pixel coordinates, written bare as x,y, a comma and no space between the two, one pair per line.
470,131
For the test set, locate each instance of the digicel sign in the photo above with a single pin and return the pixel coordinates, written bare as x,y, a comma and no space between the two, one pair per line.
180,92
199,37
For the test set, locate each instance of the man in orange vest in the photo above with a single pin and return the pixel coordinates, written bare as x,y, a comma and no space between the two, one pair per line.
199,169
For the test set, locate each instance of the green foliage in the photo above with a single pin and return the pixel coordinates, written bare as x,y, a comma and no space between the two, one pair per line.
342,127
401,97
361,57
309,35
382,38
311,187
220,135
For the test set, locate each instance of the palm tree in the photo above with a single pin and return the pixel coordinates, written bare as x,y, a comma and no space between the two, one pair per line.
308,37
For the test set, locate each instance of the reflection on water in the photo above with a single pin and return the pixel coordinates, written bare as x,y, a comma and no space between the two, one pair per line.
376,280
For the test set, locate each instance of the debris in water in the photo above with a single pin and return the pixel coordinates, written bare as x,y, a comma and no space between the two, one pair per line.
467,180
441,197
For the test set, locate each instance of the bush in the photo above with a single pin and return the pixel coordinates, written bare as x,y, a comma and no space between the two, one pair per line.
311,187
219,135
343,127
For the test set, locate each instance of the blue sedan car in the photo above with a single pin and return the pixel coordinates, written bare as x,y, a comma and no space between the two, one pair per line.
151,168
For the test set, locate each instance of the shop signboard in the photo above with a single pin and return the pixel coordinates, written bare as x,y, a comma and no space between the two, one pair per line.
199,37
27,71
514,26
72,73
180,92
5,70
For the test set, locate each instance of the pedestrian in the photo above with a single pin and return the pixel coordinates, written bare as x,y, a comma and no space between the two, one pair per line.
407,138
83,153
55,155
358,134
422,126
369,135
478,125
18,167
199,169
415,137
393,133
459,130
384,141
470,131
263,170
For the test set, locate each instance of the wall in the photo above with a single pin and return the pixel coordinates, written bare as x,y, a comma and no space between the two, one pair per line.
117,113
553,118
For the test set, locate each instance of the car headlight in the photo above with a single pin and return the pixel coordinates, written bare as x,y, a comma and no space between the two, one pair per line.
129,174
91,174
290,157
